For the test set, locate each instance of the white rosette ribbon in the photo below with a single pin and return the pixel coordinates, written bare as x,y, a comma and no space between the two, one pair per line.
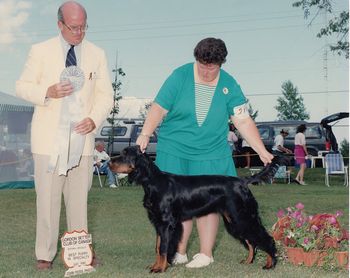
75,75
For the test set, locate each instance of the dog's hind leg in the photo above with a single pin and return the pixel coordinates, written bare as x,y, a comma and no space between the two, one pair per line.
251,254
229,225
258,237
267,244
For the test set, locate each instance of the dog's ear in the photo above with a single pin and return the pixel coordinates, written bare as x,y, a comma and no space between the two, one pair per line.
142,168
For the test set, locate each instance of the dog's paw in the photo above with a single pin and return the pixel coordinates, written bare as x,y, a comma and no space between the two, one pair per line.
270,262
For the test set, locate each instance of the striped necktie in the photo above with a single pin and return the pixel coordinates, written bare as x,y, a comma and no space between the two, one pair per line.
71,59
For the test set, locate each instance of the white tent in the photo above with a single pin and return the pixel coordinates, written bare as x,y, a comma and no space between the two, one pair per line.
16,165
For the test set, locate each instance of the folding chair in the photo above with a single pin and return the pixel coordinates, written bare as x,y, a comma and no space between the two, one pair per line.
282,173
96,170
335,166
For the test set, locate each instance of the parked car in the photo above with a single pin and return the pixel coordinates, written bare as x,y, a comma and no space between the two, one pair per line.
315,137
125,134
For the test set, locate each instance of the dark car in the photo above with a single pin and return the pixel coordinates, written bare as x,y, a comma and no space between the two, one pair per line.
315,137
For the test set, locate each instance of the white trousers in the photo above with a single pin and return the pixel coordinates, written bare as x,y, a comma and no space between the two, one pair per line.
49,188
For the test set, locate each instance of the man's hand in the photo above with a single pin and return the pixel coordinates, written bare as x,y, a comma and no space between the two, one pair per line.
60,90
85,126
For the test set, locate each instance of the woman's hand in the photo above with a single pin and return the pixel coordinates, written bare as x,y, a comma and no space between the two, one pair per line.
266,157
143,141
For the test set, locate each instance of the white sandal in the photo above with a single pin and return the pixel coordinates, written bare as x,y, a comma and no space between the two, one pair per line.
179,259
200,260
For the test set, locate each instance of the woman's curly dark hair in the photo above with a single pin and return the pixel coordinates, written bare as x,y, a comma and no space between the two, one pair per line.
211,51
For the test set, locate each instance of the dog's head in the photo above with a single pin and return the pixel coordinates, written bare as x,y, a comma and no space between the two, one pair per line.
126,161
133,162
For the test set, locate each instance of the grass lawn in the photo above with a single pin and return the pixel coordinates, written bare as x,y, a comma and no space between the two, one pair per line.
125,240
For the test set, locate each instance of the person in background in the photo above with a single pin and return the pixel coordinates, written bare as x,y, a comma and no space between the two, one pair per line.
232,138
101,161
63,125
247,152
300,152
193,107
278,147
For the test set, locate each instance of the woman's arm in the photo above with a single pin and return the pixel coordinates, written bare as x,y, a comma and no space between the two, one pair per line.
247,128
153,119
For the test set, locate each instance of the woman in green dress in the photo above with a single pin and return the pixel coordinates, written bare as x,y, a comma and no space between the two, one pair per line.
193,108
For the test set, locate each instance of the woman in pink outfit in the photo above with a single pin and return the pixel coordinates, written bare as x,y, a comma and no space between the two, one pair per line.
300,151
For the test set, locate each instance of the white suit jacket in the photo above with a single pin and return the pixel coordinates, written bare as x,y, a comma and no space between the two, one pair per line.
43,69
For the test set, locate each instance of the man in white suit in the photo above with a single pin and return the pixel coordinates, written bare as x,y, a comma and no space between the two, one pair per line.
65,119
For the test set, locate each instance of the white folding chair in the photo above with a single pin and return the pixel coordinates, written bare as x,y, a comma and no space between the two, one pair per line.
98,175
283,173
335,166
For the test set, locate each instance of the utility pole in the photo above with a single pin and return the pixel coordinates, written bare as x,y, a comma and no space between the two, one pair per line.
325,64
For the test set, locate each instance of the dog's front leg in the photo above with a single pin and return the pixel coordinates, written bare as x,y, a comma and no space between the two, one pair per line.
161,264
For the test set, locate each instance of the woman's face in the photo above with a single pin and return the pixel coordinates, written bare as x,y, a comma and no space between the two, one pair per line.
207,72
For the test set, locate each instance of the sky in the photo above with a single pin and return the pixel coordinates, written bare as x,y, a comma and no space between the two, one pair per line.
269,43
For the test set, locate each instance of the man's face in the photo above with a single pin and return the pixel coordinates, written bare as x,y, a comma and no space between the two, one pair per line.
73,25
100,148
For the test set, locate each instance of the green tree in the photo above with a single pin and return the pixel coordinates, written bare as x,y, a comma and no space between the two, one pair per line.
291,105
344,150
112,119
338,25
144,110
253,114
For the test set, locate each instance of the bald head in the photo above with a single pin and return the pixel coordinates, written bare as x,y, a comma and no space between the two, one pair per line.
72,22
73,6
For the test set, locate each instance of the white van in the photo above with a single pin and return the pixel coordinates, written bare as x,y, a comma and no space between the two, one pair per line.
125,134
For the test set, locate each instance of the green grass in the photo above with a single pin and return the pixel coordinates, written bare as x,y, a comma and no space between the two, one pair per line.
125,240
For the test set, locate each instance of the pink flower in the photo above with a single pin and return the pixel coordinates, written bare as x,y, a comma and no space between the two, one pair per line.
338,213
332,220
314,228
299,206
306,240
280,213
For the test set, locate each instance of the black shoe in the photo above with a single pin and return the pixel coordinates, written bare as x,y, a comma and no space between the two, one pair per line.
296,181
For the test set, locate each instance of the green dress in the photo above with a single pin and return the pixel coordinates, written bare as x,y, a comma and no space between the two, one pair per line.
185,147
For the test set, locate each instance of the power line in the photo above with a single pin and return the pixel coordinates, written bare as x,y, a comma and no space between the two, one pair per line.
300,93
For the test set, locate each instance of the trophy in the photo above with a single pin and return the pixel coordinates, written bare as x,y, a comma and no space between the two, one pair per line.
75,76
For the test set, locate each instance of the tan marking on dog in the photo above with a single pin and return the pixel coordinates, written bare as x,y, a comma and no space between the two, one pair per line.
250,257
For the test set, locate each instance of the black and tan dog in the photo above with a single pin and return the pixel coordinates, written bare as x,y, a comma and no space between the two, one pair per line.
171,199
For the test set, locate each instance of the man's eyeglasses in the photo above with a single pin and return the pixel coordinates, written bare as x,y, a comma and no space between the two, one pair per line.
76,29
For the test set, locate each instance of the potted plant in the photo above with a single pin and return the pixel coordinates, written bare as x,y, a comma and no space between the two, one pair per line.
312,239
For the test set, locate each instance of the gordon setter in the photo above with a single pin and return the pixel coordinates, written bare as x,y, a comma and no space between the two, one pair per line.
171,199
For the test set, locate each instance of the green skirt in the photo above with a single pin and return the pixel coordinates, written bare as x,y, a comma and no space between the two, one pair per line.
181,166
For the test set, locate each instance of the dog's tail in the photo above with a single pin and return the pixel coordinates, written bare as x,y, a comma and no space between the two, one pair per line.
268,172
